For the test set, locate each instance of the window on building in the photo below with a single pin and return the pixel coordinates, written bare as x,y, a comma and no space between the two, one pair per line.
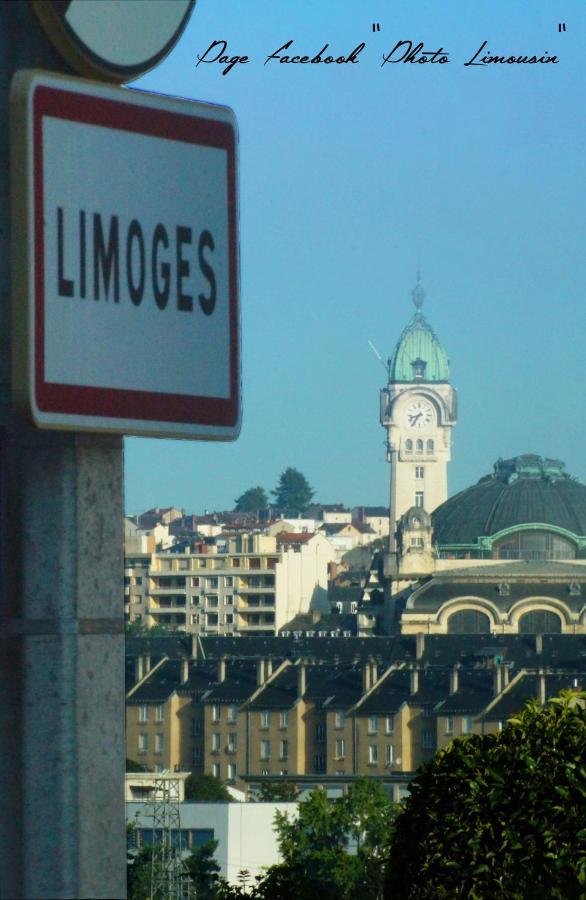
212,601
195,619
265,771
408,445
427,710
143,713
372,754
466,724
390,754
339,718
372,724
419,471
320,762
138,579
419,446
389,724
320,733
416,542
143,743
430,446
216,712
228,580
216,741
232,712
265,718
200,836
468,621
212,619
231,772
419,499
449,724
195,582
229,600
340,748
229,619
265,749
196,727
283,749
211,583
540,621
216,770
159,743
427,738
232,742
235,563
283,718
159,712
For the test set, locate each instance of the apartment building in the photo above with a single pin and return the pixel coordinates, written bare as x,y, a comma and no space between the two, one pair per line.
253,587
330,711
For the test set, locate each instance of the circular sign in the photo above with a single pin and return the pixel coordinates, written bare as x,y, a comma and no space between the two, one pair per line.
116,40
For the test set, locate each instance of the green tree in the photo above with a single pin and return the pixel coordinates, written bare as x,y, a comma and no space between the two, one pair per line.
204,870
252,500
206,788
284,791
133,766
334,848
500,815
293,492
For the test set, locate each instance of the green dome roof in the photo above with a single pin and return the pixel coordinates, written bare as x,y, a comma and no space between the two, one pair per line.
524,490
419,356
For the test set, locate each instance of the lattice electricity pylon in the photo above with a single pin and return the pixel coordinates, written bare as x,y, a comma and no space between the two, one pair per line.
169,875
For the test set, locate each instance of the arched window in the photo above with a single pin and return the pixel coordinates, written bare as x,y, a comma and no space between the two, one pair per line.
419,446
468,621
534,545
409,445
430,446
540,621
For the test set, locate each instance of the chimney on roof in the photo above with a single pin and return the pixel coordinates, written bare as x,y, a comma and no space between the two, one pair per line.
222,669
184,671
366,677
194,646
542,686
260,672
419,644
373,671
497,679
539,644
414,685
455,678
268,668
506,674
301,680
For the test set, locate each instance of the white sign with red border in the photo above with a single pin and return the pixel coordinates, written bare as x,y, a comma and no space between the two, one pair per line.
126,260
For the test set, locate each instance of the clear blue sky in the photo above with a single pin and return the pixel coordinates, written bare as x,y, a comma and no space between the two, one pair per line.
350,176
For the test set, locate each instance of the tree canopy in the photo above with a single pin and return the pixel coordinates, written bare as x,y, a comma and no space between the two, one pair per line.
499,815
293,492
285,791
252,500
206,788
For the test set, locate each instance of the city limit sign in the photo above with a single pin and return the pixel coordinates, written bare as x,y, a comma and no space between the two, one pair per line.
125,259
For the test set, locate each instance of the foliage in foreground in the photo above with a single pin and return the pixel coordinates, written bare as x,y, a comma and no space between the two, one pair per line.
335,848
499,815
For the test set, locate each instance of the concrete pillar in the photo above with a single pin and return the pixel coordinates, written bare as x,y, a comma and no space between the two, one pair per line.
62,747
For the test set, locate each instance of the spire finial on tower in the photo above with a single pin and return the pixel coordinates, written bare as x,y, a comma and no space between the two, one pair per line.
418,294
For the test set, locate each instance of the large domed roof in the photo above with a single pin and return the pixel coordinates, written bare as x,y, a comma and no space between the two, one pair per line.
521,491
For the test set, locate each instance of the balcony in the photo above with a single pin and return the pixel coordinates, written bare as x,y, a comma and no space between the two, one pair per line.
153,610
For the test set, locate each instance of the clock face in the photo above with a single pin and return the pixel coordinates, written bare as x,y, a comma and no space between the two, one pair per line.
419,414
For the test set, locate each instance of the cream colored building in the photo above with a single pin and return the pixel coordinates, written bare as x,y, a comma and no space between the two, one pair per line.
255,587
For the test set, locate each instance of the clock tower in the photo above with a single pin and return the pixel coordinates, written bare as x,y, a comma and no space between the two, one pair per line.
418,411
